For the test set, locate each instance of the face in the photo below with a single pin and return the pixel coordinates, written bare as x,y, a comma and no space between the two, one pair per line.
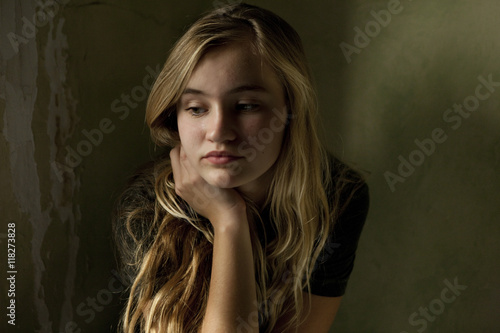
231,119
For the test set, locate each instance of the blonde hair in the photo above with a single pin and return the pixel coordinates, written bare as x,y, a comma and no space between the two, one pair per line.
168,247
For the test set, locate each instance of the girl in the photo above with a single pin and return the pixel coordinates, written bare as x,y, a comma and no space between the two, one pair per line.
248,225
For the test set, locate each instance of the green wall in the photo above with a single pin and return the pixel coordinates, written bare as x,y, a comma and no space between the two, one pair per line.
388,94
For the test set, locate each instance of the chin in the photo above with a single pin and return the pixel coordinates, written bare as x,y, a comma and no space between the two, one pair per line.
222,180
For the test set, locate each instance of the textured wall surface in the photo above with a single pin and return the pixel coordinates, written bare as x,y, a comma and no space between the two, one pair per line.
409,91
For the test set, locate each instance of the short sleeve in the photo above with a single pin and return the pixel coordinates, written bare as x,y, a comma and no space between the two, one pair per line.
336,261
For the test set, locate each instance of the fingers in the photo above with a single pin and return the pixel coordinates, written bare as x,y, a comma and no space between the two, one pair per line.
183,179
188,184
207,200
187,168
176,168
174,157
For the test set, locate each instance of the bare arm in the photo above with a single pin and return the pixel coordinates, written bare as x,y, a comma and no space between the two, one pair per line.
320,318
232,297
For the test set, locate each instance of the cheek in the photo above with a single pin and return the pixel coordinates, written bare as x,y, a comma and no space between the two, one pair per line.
184,126
189,134
252,127
265,133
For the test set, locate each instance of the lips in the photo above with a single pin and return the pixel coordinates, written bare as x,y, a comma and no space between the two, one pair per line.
221,157
220,154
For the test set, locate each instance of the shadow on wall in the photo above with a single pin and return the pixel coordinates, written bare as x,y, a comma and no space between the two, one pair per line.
411,87
421,113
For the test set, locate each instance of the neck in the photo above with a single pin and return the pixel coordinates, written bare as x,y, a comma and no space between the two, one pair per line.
257,190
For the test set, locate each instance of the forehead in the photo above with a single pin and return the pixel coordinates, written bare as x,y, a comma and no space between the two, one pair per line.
224,67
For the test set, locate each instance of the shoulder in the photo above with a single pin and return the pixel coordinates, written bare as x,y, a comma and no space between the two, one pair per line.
349,199
347,190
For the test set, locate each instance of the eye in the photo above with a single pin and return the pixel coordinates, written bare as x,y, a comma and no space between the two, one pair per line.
196,111
247,107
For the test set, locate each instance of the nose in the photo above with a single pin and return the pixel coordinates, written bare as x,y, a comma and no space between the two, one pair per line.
221,127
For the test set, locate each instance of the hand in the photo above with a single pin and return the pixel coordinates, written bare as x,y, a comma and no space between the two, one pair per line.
218,205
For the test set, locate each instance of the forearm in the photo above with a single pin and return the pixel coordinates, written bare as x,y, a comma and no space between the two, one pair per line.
232,294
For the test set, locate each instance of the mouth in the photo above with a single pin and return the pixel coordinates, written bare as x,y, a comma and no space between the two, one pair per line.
221,157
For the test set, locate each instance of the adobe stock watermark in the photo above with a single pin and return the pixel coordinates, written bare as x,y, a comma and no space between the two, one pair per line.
121,107
289,277
436,307
253,321
88,308
44,13
249,150
362,38
454,117
327,252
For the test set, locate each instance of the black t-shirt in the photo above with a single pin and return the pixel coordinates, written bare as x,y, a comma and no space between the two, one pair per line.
336,261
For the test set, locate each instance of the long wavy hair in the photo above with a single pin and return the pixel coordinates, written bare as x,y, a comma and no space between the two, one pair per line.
166,247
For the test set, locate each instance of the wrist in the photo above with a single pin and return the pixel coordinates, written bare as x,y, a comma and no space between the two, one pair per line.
230,222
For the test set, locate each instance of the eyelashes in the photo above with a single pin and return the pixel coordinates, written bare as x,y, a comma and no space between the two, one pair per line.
240,107
247,107
196,111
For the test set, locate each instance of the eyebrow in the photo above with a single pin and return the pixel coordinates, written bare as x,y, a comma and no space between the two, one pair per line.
248,87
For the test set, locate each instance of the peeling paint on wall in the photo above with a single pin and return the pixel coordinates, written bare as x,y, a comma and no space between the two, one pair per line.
18,86
441,223
60,125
